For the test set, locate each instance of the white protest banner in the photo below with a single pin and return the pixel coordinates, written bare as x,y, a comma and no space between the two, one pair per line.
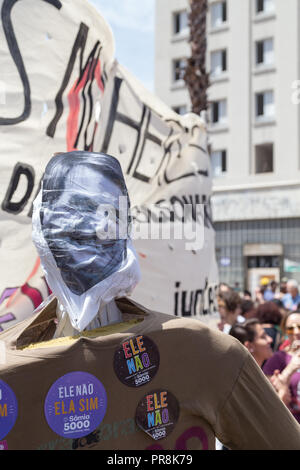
62,90
53,57
165,160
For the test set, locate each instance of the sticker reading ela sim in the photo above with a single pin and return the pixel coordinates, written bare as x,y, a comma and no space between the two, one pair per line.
83,243
75,404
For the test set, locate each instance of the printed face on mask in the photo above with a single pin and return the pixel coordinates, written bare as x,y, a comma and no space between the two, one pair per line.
70,220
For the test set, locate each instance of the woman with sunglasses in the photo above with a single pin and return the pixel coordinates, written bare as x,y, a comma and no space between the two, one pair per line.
283,368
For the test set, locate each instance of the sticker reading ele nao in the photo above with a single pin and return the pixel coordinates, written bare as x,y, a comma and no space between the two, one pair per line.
75,404
136,361
157,413
8,409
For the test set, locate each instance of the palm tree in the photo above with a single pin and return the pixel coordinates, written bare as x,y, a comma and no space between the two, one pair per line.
195,76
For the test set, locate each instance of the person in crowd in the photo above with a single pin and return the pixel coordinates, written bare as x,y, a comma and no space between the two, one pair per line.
237,287
223,287
282,288
292,298
247,295
259,295
279,304
270,292
253,336
283,368
229,304
248,309
260,291
270,317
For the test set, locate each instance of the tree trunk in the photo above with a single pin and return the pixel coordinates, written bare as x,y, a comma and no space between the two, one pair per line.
196,77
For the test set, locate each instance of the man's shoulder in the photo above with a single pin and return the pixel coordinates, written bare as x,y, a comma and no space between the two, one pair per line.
194,332
286,298
195,336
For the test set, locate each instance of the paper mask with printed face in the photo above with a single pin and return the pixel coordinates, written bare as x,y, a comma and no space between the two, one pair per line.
80,228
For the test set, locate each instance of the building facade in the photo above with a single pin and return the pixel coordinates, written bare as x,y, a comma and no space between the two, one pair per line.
253,58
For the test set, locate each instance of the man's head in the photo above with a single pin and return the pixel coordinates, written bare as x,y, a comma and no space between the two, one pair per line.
80,228
292,287
80,195
229,304
248,309
273,286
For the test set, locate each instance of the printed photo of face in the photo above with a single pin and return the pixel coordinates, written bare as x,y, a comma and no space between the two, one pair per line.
72,196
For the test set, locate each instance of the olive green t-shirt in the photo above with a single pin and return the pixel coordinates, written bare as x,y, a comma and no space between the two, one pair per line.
166,383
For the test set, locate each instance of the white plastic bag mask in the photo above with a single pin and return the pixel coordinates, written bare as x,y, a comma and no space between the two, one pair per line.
81,231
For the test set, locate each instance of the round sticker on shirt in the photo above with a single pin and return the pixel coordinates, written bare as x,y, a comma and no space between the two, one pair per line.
75,404
136,361
157,413
8,409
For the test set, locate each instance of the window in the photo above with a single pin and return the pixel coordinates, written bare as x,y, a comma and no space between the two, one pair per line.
265,105
218,62
178,69
180,109
180,22
264,6
265,52
219,112
218,163
264,158
259,6
218,14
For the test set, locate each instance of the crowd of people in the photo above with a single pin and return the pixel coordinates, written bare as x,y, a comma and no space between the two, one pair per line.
268,325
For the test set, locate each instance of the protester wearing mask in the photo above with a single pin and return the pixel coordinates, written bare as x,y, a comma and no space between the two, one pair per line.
164,382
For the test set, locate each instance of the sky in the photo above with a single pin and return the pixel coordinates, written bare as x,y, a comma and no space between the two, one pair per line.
132,23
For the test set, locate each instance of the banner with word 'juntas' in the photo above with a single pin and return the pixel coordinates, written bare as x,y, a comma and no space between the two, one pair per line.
61,89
